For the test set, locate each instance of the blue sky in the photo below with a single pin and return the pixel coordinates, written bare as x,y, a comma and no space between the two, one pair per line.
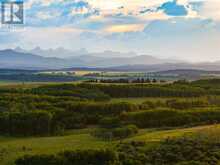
184,29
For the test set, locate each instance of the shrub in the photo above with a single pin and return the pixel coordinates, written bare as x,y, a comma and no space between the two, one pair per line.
110,122
187,104
185,150
124,132
178,151
152,104
116,133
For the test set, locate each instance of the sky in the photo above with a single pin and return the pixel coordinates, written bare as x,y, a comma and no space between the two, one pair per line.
182,29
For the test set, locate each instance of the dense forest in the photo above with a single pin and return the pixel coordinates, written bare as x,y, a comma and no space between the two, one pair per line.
54,109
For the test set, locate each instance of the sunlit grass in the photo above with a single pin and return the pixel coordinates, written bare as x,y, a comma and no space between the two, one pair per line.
81,139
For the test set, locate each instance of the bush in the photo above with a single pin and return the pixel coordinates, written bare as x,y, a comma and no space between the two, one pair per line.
110,122
152,104
125,131
179,151
184,151
98,108
37,160
187,104
116,133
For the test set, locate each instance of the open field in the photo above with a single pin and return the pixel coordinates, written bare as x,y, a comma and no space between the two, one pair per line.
82,140
16,147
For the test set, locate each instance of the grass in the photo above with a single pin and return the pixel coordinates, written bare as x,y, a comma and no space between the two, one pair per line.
150,135
12,148
137,100
16,147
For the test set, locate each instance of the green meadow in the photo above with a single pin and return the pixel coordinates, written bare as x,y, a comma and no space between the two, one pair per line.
82,140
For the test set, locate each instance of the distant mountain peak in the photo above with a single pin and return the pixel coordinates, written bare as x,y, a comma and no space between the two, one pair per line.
6,51
37,48
19,49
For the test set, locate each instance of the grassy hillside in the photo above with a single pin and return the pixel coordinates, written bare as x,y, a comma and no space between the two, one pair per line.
12,148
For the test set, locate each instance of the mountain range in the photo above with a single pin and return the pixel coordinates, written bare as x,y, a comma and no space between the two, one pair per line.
46,59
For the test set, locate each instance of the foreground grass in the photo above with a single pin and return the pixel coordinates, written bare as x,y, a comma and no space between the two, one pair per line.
15,147
12,148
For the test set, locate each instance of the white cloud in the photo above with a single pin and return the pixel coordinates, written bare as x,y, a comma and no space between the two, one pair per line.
211,9
125,28
45,15
48,37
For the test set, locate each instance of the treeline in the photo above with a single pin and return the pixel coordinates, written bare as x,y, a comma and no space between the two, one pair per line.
64,115
38,78
80,115
180,88
58,117
151,90
126,81
26,124
70,90
103,92
63,90
181,103
171,118
187,104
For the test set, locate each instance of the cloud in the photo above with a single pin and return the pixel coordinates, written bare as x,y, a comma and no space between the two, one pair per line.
190,39
46,15
210,9
46,37
125,28
77,11
82,8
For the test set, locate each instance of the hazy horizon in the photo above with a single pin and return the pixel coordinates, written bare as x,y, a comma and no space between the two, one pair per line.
115,54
